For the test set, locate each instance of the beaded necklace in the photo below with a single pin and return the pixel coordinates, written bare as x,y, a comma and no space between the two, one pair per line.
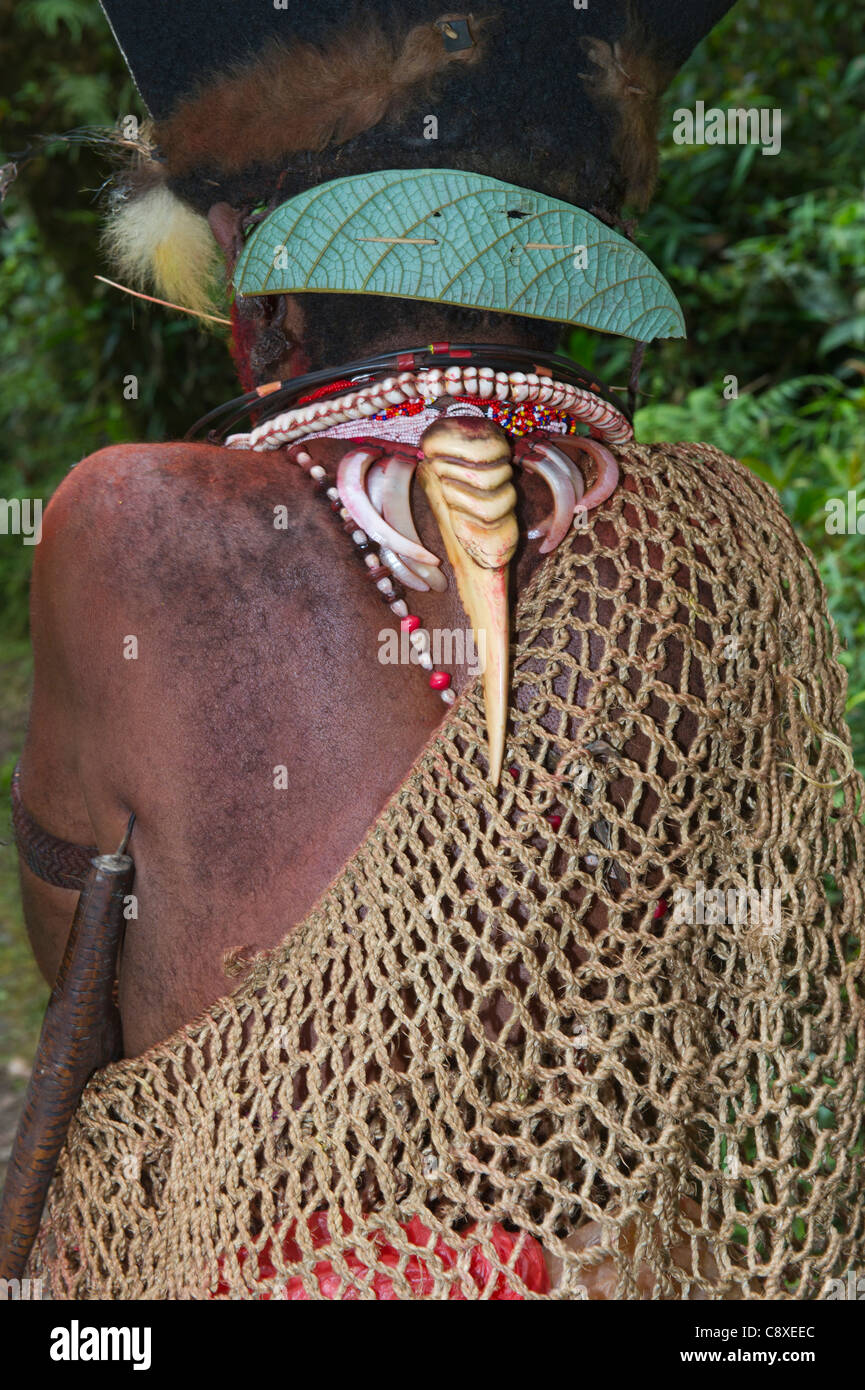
518,419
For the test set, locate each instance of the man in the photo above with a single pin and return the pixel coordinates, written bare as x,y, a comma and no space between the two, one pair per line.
490,1012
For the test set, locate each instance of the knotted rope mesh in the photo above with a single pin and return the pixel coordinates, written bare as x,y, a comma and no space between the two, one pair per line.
551,1017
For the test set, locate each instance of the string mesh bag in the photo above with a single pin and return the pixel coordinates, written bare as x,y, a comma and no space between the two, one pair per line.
597,1034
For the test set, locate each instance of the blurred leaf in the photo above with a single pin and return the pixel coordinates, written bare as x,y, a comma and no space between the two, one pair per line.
848,333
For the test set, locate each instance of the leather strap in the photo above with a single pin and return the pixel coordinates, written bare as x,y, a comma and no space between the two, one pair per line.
55,861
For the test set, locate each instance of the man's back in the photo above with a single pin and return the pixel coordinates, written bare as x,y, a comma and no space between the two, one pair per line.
207,656
566,1012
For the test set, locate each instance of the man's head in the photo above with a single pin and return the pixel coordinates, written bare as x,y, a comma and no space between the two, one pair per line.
284,335
552,96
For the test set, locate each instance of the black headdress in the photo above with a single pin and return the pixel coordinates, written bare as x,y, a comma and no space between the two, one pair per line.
254,101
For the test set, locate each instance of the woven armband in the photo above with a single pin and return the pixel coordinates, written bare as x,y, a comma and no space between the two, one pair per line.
55,861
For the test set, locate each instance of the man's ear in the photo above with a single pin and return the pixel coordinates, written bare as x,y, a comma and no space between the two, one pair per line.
224,222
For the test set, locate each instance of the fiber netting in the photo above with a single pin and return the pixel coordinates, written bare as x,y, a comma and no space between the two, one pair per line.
597,1034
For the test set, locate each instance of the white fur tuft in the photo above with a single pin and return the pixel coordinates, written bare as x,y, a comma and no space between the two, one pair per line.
156,242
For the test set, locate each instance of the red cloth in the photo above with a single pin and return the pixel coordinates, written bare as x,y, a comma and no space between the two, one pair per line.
530,1264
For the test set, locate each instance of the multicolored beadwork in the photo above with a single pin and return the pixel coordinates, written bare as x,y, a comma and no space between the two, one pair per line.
518,419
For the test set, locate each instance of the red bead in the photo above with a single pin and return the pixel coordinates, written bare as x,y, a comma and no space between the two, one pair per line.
439,680
660,910
555,821
410,624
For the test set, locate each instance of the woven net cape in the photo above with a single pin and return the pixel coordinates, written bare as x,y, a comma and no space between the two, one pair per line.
493,1019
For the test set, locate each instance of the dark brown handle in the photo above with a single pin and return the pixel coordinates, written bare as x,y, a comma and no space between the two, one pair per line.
80,1033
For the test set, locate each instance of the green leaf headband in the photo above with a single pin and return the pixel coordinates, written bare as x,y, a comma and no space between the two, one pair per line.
459,238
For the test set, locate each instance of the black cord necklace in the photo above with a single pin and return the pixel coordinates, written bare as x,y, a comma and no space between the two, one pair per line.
277,396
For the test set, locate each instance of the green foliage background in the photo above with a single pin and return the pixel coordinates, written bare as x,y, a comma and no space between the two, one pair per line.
767,255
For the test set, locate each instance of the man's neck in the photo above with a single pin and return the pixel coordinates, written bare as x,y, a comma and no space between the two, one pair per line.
331,328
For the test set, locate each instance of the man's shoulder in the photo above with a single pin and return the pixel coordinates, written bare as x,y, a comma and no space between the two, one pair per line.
126,474
143,496
170,519
114,518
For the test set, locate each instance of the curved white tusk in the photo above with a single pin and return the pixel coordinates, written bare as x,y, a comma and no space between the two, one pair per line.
563,460
350,482
608,472
402,571
565,483
375,485
376,491
396,475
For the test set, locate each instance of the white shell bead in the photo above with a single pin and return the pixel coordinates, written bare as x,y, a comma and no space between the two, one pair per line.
392,391
519,386
486,382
